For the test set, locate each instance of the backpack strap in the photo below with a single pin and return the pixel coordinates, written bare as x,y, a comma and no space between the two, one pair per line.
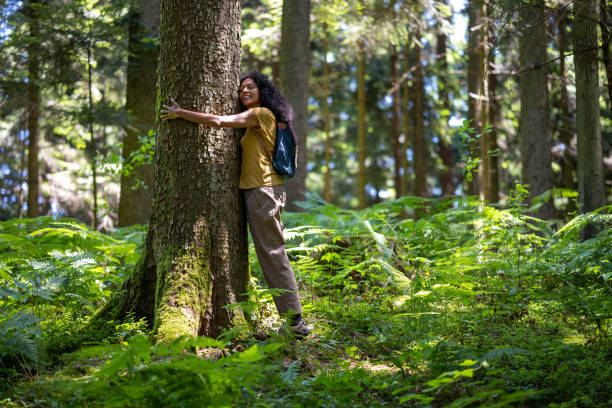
268,151
295,139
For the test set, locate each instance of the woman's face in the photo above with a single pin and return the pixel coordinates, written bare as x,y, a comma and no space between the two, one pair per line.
249,93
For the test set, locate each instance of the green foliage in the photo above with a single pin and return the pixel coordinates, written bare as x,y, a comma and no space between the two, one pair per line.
138,373
113,163
466,305
54,273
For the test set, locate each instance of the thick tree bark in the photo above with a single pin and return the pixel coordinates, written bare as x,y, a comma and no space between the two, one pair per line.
33,98
135,198
195,260
361,125
588,128
535,137
475,79
294,78
395,125
420,148
446,155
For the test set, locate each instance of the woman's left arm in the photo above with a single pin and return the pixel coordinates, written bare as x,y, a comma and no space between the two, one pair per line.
239,120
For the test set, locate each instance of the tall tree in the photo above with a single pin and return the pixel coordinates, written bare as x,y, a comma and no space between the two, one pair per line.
92,139
195,258
136,186
446,155
294,77
475,76
605,23
588,128
490,155
33,101
535,137
408,117
565,120
361,125
420,146
327,194
396,146
491,114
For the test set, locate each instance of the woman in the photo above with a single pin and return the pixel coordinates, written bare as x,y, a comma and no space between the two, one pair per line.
264,193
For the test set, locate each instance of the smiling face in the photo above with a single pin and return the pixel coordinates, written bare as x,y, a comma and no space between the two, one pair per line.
249,93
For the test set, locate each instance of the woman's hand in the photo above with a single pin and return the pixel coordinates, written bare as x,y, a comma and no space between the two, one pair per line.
170,112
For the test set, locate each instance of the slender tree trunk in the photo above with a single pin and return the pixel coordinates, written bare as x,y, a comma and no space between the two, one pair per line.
446,155
484,106
33,97
22,179
491,111
420,148
475,80
588,128
535,126
566,128
294,76
195,258
92,143
395,125
605,22
327,194
490,146
408,116
361,126
137,186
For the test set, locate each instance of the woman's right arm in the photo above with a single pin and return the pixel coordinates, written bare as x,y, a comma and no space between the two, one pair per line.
240,120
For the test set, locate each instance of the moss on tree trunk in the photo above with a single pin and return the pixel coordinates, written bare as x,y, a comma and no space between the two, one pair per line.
195,257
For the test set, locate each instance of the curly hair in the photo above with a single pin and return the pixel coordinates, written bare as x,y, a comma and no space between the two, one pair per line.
269,96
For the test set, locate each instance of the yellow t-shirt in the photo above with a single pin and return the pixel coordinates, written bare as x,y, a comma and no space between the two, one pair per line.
256,169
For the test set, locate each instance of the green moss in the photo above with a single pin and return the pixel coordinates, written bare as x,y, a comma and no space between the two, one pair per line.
183,294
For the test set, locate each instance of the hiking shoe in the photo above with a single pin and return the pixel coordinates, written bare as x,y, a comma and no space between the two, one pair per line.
299,329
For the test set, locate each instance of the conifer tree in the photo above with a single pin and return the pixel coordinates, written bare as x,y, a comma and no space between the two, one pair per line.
195,258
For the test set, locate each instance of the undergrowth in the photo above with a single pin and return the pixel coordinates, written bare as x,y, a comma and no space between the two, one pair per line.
414,302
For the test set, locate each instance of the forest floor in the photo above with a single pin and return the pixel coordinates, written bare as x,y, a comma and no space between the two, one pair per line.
462,306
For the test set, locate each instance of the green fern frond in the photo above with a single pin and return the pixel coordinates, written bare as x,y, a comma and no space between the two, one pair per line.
502,352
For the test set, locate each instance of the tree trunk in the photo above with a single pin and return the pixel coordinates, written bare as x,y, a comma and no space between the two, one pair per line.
535,137
92,146
491,188
491,111
605,22
395,125
420,148
22,179
566,128
195,258
475,79
33,95
361,126
327,195
137,186
294,77
588,128
408,115
446,155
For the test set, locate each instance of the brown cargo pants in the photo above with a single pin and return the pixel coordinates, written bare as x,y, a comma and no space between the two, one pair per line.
264,208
